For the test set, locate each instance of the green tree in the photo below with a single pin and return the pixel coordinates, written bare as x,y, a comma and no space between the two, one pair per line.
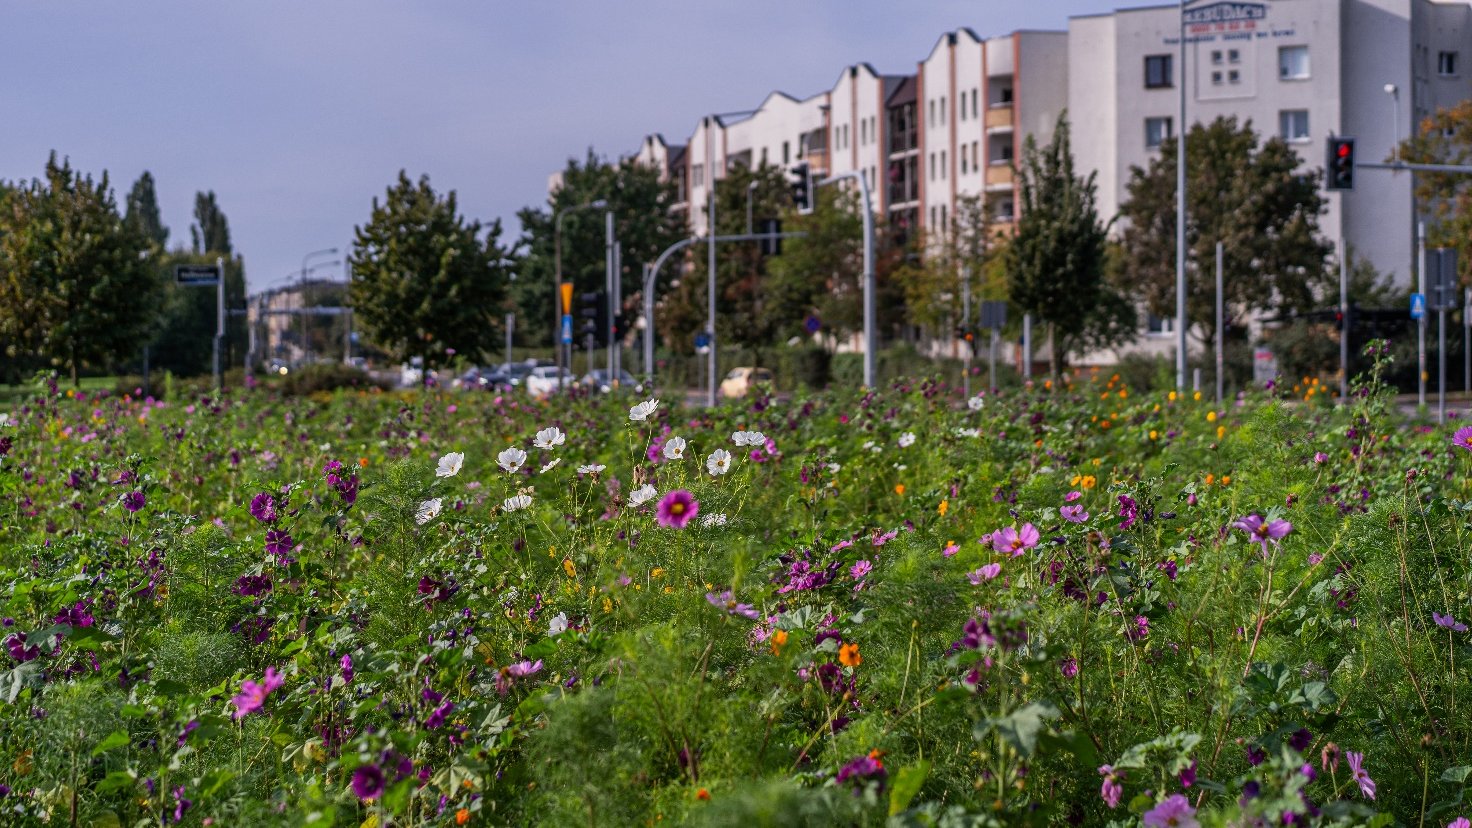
932,275
643,223
1445,137
1056,258
77,287
1249,196
424,279
142,214
210,231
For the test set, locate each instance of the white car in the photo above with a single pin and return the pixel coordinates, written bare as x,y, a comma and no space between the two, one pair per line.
543,381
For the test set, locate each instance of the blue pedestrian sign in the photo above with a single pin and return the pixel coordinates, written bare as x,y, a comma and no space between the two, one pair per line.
567,329
702,339
812,324
1418,305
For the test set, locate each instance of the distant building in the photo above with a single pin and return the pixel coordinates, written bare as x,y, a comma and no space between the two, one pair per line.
1300,69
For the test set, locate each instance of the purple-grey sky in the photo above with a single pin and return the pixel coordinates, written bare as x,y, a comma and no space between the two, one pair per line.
298,114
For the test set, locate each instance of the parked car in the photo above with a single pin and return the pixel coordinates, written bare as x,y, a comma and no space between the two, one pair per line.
598,379
517,372
488,379
739,381
544,380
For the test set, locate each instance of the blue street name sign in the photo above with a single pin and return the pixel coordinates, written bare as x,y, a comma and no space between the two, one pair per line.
567,329
1418,305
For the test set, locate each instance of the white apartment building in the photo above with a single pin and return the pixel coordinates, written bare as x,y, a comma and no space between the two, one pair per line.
1299,69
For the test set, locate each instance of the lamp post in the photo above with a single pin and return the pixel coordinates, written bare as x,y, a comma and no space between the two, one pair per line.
302,291
557,310
750,191
1181,214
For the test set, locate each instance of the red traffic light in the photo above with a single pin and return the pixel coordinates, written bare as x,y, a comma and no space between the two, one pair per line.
1344,150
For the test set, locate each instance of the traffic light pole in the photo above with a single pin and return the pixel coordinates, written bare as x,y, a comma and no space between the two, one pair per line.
870,338
966,322
651,277
1421,323
610,279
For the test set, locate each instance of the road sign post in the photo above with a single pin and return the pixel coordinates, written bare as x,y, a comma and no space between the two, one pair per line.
208,276
993,316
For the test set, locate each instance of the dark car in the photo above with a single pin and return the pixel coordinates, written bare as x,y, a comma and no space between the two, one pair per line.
598,379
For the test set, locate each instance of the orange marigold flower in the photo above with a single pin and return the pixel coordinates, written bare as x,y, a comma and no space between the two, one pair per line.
363,461
462,816
944,506
779,640
899,488
703,795
848,655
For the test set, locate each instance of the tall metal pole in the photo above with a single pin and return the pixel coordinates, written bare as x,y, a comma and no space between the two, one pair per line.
992,372
710,282
1441,282
966,324
219,319
647,368
1467,340
1027,347
564,355
1421,323
1344,315
617,308
750,191
608,279
1221,327
1181,214
510,331
871,333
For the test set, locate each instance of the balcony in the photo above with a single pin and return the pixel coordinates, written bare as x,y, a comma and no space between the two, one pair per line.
999,174
999,117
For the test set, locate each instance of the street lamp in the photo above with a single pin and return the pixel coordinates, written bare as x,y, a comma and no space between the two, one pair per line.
750,191
1394,92
557,309
327,251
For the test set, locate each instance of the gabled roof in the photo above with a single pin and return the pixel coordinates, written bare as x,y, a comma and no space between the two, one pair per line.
903,92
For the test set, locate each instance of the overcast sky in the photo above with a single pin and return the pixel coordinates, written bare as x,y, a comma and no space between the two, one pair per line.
298,113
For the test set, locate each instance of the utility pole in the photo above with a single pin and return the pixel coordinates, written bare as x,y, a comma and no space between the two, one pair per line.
1181,214
966,326
1221,327
219,320
1344,315
1421,323
710,282
1027,349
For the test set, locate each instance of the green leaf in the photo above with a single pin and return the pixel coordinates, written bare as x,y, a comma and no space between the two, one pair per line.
1022,727
1458,774
907,783
115,739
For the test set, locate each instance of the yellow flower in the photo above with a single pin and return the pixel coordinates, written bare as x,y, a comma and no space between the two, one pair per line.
1220,431
1210,478
779,639
1226,479
944,506
1088,481
1196,396
567,566
1154,434
656,572
848,655
1124,393
1172,396
1211,416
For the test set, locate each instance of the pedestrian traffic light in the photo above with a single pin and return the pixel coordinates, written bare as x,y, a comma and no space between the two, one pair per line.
620,325
1339,167
802,188
593,311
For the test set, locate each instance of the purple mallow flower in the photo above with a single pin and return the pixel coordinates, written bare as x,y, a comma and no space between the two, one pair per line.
1111,790
1174,811
134,501
263,508
368,782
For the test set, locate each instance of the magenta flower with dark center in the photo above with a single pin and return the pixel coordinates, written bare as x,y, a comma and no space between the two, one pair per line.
1074,514
1015,542
1463,437
1174,812
134,501
368,782
347,669
1264,532
1356,767
263,508
280,543
1128,511
1111,790
676,509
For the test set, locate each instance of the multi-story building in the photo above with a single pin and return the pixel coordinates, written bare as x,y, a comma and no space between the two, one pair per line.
1297,69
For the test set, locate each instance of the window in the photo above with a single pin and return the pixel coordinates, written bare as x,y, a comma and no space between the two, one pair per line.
1216,78
942,163
764,156
943,218
964,168
942,110
1216,58
1234,76
1234,56
963,106
1004,210
930,112
697,175
932,166
1293,62
932,215
786,153
1157,71
1446,63
976,156
1157,132
1158,324
1004,96
973,103
1293,125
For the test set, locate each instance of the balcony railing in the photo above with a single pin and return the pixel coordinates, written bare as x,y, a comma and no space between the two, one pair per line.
999,117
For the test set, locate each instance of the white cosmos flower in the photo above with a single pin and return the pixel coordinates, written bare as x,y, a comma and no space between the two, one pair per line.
833,468
450,464
642,495
557,625
868,444
518,502
511,459
969,432
642,411
719,461
907,439
674,448
749,438
717,519
591,468
428,510
550,465
549,438
976,403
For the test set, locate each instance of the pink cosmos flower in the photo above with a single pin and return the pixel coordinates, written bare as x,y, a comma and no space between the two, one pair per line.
985,573
1111,790
252,696
1074,514
1463,437
1263,532
522,669
1174,812
1072,496
1459,822
951,549
677,509
1356,767
1012,542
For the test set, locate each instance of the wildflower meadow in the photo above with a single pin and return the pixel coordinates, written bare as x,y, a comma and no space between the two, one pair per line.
1071,605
